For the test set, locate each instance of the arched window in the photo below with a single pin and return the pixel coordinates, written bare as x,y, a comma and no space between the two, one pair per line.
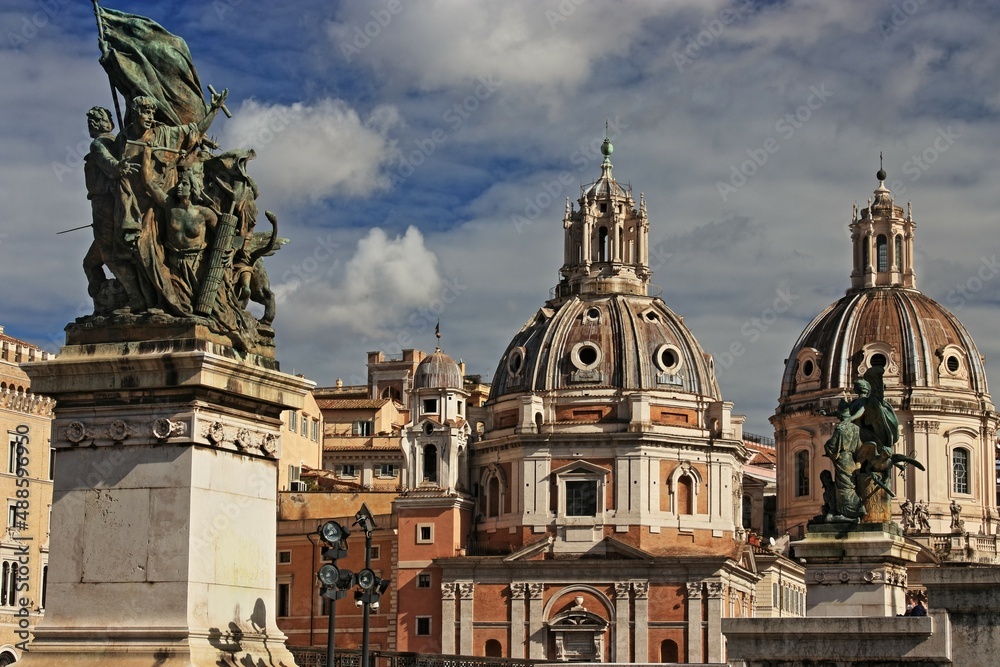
430,463
898,252
685,495
882,253
602,244
493,497
802,473
960,470
493,649
668,651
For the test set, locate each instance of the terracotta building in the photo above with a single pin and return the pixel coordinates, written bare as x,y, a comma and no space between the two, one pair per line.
590,510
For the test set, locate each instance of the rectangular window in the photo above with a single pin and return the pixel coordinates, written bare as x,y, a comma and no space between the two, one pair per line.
348,470
293,421
430,406
362,428
581,498
386,470
284,556
12,453
284,600
315,430
424,580
425,533
802,473
960,470
52,463
376,552
423,626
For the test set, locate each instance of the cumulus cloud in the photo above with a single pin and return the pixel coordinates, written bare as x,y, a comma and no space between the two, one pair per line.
386,279
315,150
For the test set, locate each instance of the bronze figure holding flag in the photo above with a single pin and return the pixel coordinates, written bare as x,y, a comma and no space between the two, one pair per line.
173,219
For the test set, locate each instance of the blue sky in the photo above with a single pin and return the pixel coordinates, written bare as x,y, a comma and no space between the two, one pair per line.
417,154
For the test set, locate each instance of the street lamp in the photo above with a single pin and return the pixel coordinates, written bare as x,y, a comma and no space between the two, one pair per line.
334,580
371,585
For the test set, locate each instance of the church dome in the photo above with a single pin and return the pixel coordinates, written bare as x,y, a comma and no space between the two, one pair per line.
438,371
619,341
918,341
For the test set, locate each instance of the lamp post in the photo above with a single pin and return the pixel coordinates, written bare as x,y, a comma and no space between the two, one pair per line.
365,519
334,581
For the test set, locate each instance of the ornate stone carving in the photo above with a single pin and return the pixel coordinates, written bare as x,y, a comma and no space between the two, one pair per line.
269,444
76,432
242,439
622,589
715,589
118,430
448,590
466,589
641,589
164,428
694,589
535,591
216,433
518,590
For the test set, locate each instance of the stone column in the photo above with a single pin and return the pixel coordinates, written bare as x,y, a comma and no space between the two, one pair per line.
641,629
517,593
715,642
466,591
695,633
448,594
536,625
163,528
623,612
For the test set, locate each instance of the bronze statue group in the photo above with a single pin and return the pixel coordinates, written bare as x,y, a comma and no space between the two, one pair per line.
862,449
173,219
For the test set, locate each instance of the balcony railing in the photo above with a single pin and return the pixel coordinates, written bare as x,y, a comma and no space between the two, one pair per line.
312,656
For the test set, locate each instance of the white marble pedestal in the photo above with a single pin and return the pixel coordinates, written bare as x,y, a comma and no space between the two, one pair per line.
855,570
163,515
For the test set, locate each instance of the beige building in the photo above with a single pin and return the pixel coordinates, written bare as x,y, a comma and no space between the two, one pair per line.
934,379
26,488
301,444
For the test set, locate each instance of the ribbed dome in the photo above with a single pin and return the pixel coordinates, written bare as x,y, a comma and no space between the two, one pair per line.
438,371
919,342
615,341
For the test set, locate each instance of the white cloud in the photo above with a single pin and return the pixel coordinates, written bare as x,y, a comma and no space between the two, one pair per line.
385,280
314,150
